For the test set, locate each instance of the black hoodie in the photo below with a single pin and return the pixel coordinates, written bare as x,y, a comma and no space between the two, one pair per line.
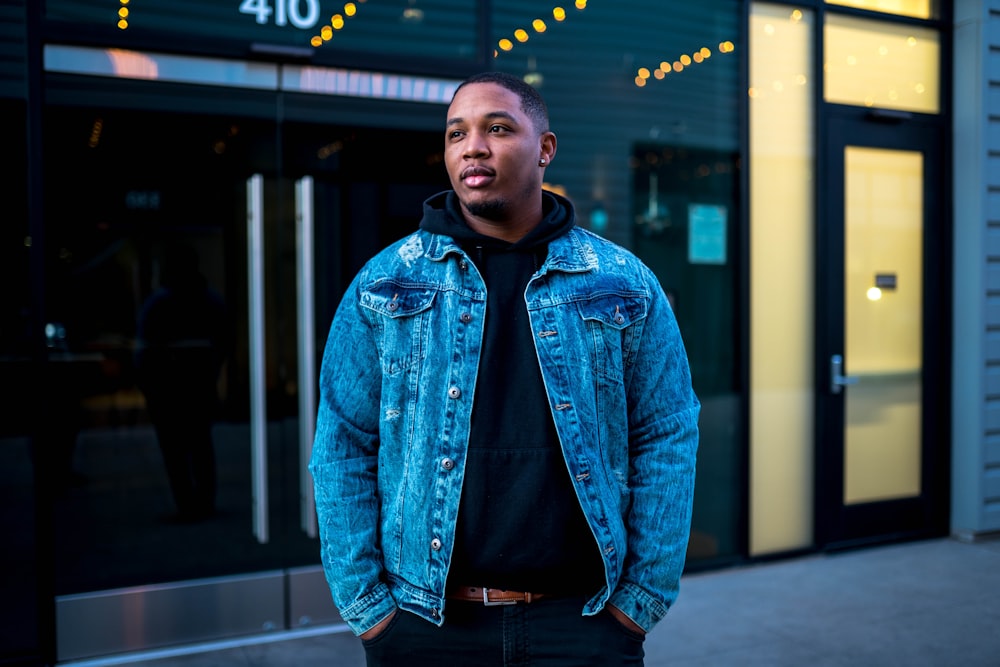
520,526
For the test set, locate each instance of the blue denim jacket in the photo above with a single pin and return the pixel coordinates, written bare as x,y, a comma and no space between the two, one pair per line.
396,390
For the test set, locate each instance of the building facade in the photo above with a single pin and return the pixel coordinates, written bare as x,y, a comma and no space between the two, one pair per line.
813,182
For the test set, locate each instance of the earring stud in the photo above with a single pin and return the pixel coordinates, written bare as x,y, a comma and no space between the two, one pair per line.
541,163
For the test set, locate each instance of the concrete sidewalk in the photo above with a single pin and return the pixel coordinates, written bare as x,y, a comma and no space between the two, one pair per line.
933,603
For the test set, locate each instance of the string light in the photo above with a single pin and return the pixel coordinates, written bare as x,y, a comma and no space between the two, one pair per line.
123,14
521,35
682,62
337,23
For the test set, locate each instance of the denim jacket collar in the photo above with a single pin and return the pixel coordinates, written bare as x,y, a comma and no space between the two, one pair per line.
570,253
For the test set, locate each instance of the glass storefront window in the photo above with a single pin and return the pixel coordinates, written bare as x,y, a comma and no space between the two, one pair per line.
878,64
643,100
781,277
649,145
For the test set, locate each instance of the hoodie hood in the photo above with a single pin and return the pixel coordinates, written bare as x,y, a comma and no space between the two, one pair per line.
443,215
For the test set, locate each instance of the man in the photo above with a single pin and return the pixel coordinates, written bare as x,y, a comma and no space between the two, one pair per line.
505,445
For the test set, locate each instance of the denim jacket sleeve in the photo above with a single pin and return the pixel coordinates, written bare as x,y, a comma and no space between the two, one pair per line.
663,440
344,468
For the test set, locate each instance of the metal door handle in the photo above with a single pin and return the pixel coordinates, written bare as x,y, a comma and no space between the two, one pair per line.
304,217
837,378
258,400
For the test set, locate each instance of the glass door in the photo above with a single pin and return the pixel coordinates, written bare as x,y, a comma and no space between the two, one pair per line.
881,450
170,434
193,264
19,632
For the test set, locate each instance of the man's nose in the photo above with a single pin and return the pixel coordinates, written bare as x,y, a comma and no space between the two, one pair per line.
476,145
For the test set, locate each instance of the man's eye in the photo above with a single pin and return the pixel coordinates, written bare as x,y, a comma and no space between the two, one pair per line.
497,128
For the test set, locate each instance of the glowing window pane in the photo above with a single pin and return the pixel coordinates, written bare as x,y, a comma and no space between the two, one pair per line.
918,8
872,63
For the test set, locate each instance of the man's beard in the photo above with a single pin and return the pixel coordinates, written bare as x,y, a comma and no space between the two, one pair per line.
493,209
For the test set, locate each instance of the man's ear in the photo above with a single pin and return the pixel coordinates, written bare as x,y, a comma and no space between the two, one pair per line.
547,147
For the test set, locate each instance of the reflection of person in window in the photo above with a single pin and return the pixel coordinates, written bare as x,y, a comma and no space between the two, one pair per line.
183,337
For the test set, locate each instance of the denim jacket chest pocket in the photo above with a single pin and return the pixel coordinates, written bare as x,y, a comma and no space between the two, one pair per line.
612,323
400,316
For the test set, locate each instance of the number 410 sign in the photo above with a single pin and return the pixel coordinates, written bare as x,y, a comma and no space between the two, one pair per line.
302,14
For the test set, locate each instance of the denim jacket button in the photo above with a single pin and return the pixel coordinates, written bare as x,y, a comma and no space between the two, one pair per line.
436,544
454,392
447,463
465,317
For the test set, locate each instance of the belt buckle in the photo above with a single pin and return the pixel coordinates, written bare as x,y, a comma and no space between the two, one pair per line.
494,603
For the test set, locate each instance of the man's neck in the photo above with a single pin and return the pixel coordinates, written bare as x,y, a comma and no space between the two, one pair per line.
511,229
505,231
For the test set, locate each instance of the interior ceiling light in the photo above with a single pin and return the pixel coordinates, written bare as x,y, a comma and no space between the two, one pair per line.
412,14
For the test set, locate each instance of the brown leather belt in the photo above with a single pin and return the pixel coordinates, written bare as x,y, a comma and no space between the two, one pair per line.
491,596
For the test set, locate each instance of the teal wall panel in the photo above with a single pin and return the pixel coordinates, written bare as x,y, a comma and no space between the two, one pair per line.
13,50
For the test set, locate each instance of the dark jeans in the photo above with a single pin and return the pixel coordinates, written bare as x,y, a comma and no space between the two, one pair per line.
545,633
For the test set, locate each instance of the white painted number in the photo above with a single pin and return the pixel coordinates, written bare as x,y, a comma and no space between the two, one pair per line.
260,8
299,20
284,11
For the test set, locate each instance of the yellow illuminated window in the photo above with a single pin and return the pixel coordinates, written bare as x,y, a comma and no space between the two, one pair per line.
877,64
781,278
920,9
883,296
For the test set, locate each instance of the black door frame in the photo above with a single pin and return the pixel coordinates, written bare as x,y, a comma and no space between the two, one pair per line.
836,525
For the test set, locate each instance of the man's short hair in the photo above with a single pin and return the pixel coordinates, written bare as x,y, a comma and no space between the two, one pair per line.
532,103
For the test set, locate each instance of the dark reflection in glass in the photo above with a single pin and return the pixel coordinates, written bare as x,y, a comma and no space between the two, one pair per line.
22,550
686,215
183,338
148,362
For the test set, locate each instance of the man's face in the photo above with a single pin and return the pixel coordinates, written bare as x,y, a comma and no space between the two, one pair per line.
492,152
